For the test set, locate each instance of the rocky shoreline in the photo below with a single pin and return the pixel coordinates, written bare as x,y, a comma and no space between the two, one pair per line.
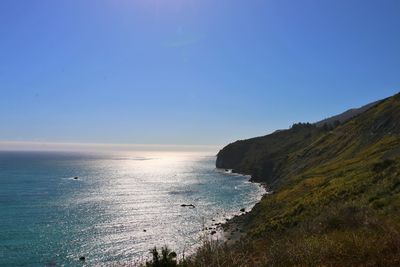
234,229
229,230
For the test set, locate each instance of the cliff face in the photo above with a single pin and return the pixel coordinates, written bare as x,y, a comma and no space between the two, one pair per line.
274,157
262,157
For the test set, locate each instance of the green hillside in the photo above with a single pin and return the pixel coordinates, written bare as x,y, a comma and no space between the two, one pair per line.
336,199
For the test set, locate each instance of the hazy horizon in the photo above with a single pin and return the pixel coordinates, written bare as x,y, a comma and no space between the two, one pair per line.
103,148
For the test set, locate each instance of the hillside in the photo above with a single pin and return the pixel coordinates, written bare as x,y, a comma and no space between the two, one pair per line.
336,198
263,157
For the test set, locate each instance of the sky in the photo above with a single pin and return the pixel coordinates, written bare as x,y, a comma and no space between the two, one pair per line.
188,72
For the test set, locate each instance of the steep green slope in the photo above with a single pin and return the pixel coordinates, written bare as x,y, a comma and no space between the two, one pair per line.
337,192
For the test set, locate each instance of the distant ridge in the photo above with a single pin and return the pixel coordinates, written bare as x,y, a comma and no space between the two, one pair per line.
347,115
342,117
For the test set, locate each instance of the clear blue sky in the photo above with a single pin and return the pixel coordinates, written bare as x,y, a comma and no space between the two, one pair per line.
188,71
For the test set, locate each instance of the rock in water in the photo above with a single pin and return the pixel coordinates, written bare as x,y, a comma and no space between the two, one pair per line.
82,258
188,205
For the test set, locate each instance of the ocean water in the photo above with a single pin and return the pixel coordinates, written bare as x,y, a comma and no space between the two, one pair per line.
121,206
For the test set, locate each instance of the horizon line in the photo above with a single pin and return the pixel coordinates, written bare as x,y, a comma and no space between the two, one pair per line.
12,145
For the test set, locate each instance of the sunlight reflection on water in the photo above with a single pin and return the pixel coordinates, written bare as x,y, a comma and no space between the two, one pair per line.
120,207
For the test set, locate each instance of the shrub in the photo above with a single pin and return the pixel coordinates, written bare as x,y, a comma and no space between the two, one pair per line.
167,259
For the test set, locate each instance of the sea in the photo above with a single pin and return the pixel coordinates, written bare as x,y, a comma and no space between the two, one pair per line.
112,208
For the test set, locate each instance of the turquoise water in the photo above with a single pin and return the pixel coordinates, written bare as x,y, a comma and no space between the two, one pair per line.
120,207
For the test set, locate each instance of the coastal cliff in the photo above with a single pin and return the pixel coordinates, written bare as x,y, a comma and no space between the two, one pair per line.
265,158
336,186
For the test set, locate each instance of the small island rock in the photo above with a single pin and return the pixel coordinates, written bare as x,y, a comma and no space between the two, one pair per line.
188,205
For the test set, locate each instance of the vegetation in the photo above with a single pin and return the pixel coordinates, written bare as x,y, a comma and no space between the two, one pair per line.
167,258
336,200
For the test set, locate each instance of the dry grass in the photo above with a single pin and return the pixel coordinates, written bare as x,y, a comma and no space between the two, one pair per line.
373,245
